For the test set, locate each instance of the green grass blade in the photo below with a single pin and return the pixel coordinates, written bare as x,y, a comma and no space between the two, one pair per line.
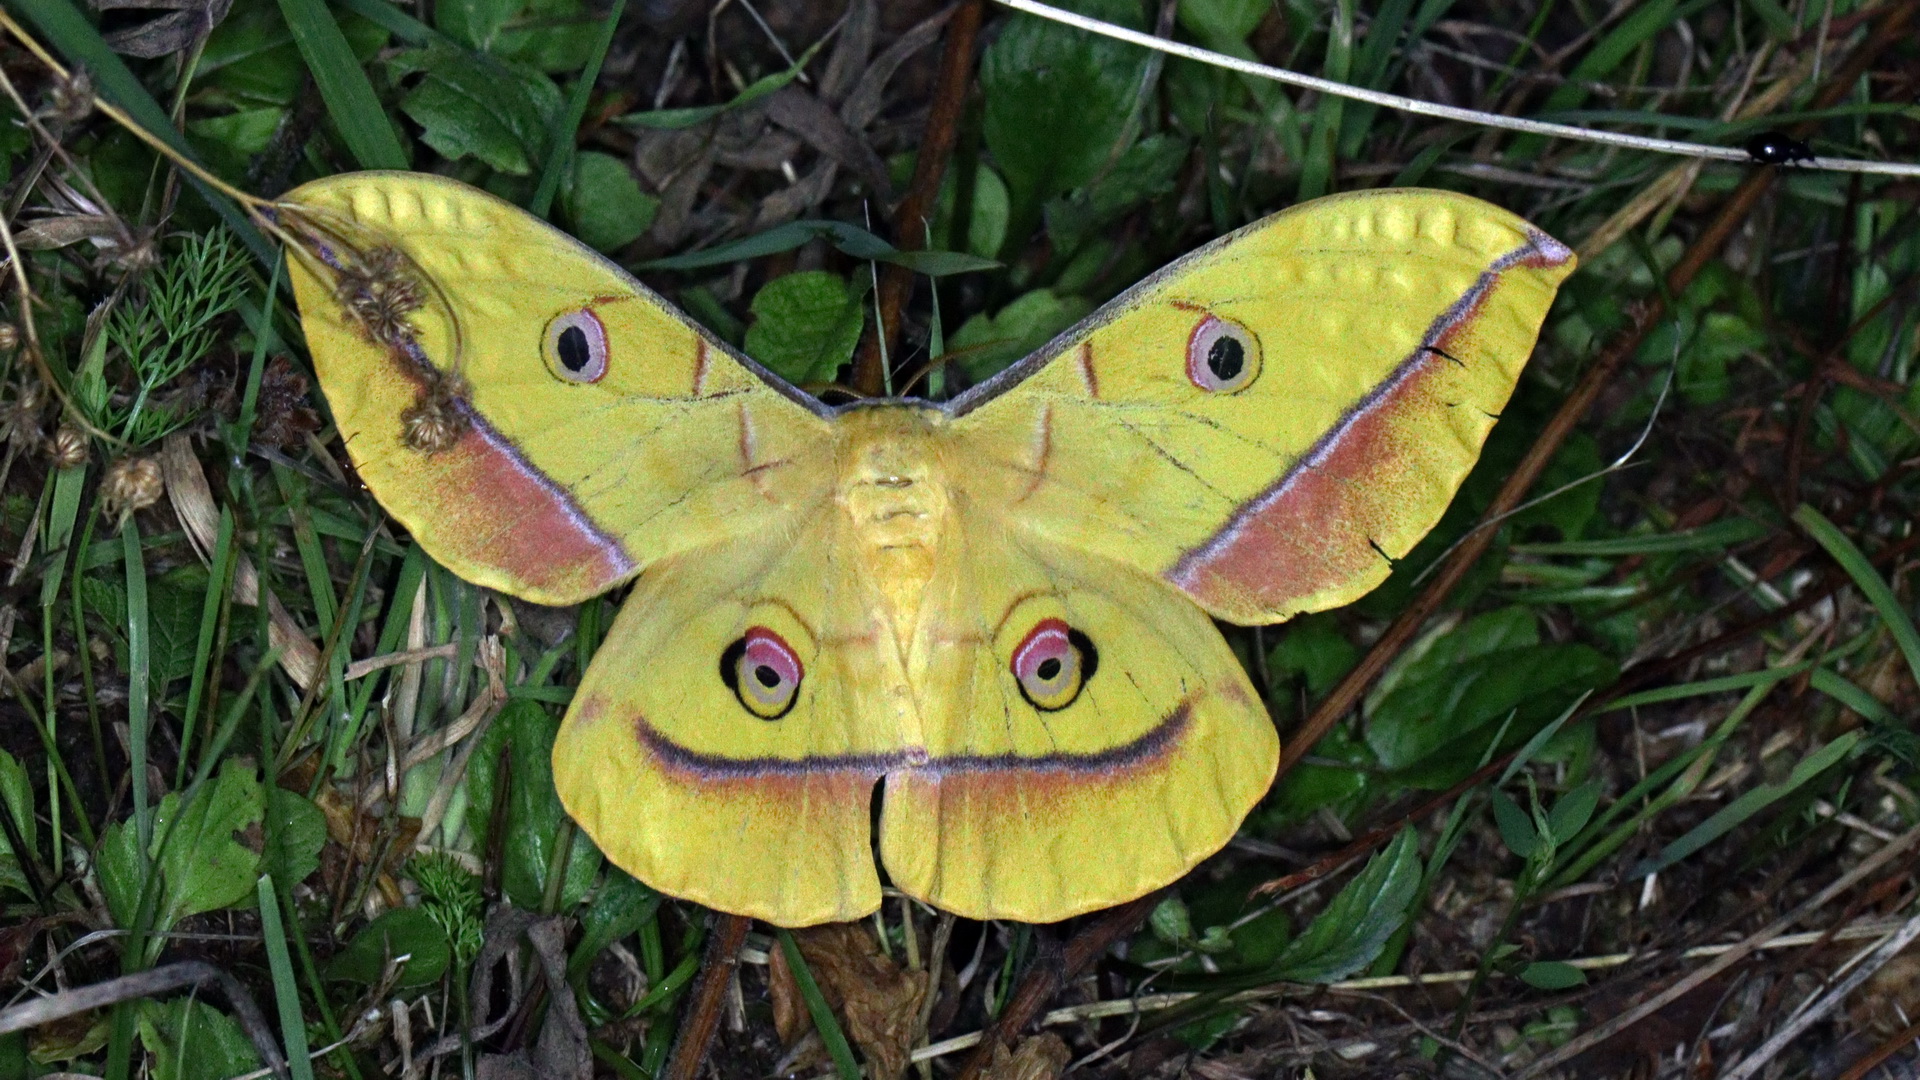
137,678
211,606
72,34
1704,687
286,992
823,1021
1747,805
561,151
1717,535
343,86
1316,173
396,22
1871,584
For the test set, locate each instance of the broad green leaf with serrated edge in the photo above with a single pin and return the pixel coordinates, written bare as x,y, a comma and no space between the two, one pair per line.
604,203
1356,925
474,105
1057,103
805,325
191,1040
202,866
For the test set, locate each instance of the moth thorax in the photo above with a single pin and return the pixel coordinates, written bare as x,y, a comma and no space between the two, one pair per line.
897,507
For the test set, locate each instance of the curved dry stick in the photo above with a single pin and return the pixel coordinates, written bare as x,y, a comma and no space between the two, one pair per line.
160,980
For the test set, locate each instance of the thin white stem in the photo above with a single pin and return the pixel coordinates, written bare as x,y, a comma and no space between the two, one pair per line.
1444,112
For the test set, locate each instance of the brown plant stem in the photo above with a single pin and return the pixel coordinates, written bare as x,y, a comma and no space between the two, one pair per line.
1645,316
916,208
709,996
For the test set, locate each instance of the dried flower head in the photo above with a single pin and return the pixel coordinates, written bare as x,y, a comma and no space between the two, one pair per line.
380,291
73,96
436,421
9,337
68,448
20,418
131,484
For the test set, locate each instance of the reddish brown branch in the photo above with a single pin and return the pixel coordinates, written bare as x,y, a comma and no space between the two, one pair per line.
1733,213
709,996
910,220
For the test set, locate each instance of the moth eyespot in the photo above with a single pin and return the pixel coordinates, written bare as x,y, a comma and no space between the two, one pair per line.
1052,665
576,346
1222,356
763,672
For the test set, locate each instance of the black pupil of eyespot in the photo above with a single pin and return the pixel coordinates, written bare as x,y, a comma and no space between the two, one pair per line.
1225,358
768,677
574,352
1049,669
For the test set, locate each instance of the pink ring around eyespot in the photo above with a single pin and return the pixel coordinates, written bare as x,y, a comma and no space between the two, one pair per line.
1046,641
1200,345
768,649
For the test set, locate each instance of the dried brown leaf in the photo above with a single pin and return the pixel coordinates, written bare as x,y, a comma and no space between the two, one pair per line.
877,999
1039,1057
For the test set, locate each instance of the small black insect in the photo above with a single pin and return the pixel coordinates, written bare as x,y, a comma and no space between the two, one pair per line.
1777,148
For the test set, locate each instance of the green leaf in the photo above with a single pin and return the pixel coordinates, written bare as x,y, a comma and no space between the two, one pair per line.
817,1007
986,218
604,202
343,85
1572,812
472,105
1356,925
16,790
475,23
524,731
1445,708
1516,826
296,831
986,343
551,35
1057,102
191,1040
1219,23
409,932
1170,921
174,601
202,866
619,909
1553,975
1146,171
805,325
1313,650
